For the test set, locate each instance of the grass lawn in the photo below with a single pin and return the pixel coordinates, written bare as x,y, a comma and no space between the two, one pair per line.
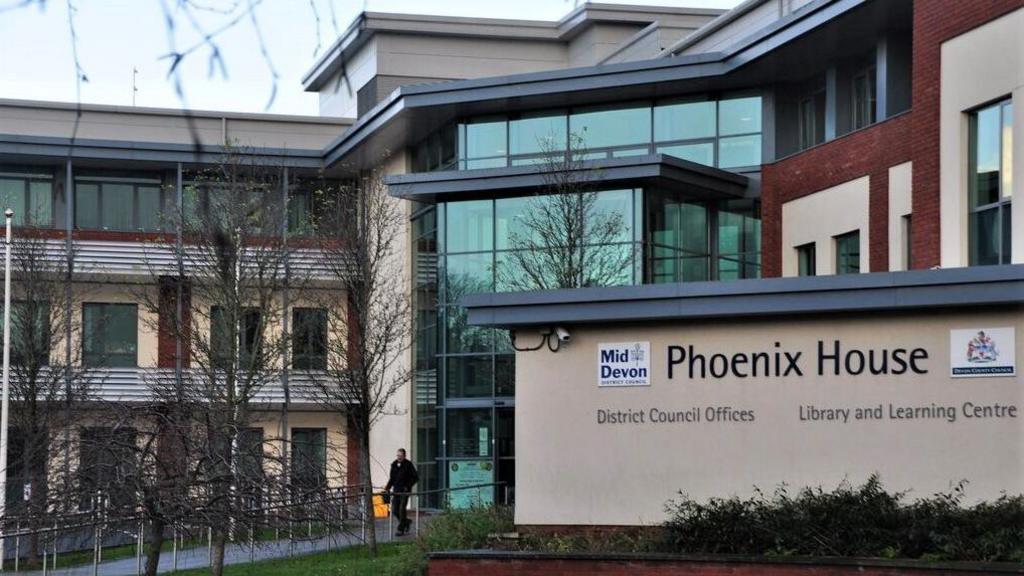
352,561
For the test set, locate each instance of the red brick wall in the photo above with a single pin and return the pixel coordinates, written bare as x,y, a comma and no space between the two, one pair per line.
665,567
871,151
936,21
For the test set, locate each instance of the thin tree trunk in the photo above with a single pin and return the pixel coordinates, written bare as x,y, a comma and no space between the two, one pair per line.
367,481
155,545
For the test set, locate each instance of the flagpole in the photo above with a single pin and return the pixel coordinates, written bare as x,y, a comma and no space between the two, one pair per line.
5,395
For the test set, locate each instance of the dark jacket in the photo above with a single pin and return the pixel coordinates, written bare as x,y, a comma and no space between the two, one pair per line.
403,476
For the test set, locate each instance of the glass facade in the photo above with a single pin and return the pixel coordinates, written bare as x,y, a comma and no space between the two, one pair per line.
118,204
30,195
465,375
990,185
725,133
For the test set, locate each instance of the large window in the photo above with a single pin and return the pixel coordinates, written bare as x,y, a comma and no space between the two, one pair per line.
29,195
30,333
110,335
121,204
107,466
811,120
864,86
309,338
848,253
990,185
309,461
250,336
724,133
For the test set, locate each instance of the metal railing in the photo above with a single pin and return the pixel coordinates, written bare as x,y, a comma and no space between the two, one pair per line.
332,516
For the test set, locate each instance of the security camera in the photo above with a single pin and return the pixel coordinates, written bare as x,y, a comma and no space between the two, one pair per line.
563,335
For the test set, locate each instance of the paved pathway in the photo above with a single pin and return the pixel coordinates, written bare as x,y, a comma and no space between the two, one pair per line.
234,554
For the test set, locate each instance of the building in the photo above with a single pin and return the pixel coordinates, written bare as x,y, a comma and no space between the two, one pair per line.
719,161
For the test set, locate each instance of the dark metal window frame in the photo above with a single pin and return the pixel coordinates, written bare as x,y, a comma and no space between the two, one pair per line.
28,210
135,216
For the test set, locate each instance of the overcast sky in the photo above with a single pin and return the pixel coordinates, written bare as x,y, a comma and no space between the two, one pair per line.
115,36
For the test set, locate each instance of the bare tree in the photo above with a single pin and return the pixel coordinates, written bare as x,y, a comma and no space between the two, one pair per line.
562,237
360,239
45,382
220,301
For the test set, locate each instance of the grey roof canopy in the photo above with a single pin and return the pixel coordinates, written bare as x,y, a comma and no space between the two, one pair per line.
698,181
1000,286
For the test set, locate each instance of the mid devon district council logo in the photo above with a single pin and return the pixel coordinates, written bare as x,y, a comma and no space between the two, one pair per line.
624,364
982,352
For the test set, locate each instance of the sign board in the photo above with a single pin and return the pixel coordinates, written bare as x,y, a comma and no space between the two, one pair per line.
624,364
981,352
465,473
718,408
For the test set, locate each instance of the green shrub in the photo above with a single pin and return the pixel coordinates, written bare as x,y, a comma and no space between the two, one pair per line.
861,520
466,529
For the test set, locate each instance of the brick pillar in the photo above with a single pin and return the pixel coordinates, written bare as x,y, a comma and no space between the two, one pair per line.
168,311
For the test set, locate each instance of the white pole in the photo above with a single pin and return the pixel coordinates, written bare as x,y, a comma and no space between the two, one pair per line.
5,397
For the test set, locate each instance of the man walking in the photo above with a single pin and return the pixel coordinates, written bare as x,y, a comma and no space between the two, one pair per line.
400,482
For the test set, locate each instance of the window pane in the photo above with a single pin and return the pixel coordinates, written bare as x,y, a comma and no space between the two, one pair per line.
110,335
149,208
848,253
485,139
806,260
309,346
309,460
469,274
703,153
469,433
465,338
12,195
1007,146
510,220
41,203
486,163
537,134
684,121
607,265
505,375
984,176
469,376
470,226
985,237
117,205
87,214
605,128
608,217
739,151
739,116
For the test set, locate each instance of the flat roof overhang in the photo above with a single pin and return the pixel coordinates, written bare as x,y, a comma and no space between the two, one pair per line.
696,180
915,290
18,148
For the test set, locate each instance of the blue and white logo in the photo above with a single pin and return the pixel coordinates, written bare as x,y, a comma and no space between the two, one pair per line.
981,352
624,364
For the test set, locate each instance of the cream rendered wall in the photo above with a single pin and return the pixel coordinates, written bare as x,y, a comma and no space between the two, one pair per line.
338,470
394,429
900,205
457,57
978,67
338,96
821,216
572,470
166,126
738,29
